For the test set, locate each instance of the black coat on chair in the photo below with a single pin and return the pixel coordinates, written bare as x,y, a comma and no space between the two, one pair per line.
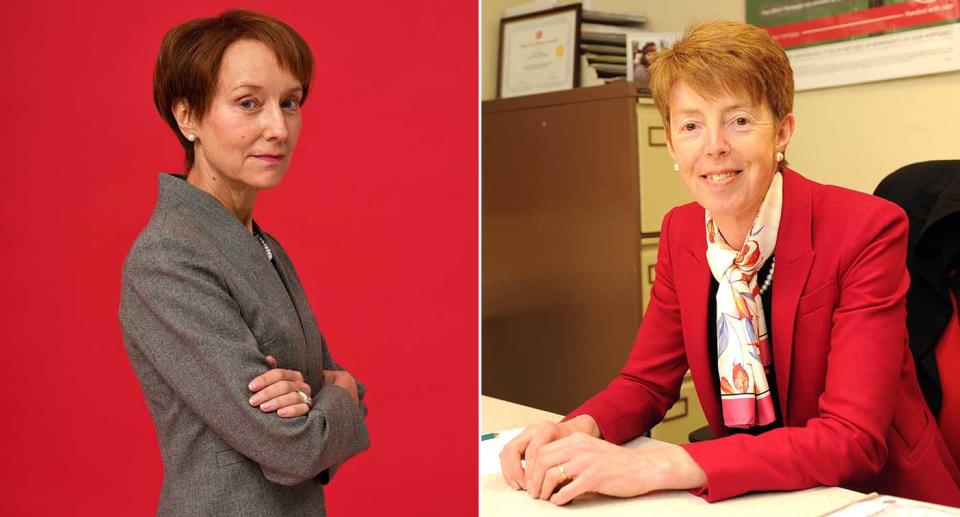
930,194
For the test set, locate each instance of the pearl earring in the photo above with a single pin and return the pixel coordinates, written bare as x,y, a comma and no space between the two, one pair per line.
779,156
191,137
676,167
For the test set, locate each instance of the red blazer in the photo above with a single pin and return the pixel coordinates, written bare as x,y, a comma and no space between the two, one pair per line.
852,410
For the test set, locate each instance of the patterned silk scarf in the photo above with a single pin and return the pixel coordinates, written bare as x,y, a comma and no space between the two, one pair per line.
743,346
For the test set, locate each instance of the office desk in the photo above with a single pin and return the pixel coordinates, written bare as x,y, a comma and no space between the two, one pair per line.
498,499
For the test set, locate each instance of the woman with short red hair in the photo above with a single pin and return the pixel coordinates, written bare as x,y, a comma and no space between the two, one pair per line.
783,297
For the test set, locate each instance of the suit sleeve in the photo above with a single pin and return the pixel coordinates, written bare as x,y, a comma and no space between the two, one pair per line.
847,441
649,383
177,309
327,475
361,388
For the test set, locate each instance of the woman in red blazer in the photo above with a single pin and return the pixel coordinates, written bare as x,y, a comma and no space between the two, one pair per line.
785,299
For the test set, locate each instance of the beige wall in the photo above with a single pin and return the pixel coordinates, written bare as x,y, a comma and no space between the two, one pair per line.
851,136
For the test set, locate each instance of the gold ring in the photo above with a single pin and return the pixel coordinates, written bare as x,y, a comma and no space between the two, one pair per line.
563,474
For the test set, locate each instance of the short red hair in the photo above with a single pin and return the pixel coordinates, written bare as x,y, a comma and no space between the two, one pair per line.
728,57
188,64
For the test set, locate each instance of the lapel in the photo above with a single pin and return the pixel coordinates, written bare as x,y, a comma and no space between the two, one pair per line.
693,288
242,251
293,289
794,254
223,231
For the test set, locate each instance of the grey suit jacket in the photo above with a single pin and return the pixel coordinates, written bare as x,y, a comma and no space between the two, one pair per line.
201,307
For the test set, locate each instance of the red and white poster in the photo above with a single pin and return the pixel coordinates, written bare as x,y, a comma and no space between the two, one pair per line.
839,42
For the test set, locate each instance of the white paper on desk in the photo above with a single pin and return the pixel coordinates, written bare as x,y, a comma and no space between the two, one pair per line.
885,505
490,449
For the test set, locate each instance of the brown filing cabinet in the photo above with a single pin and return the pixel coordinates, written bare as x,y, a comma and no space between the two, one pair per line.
575,185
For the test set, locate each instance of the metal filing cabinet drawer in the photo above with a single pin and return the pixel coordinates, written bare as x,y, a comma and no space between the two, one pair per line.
685,416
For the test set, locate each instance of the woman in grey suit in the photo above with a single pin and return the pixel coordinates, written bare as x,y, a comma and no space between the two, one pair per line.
211,304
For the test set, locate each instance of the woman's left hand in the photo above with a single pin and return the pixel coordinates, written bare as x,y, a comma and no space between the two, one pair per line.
276,390
580,464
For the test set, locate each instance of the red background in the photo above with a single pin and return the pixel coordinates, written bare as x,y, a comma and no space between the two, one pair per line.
378,211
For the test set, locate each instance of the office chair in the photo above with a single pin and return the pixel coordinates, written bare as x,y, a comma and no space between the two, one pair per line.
929,192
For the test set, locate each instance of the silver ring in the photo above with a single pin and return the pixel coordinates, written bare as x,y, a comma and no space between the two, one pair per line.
306,400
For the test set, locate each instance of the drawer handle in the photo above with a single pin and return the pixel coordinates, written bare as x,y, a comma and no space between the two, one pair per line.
656,136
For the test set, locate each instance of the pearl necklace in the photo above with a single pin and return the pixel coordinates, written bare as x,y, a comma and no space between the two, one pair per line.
766,282
270,254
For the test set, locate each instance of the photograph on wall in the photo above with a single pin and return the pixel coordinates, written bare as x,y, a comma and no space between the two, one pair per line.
641,50
840,42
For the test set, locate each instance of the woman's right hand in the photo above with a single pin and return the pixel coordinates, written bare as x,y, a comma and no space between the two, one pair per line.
343,379
277,390
527,445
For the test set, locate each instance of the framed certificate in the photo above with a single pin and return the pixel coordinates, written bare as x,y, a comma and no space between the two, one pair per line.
539,52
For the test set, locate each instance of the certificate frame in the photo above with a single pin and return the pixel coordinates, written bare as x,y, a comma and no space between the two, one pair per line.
539,52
